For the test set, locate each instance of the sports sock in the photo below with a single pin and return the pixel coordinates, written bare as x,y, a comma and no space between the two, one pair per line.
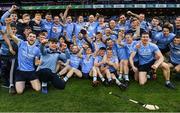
65,78
44,84
120,76
102,78
167,81
109,79
94,78
126,77
117,82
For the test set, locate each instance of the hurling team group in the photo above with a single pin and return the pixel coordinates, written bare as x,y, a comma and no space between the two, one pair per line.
39,50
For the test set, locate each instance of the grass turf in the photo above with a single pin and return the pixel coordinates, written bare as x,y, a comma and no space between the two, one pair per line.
79,95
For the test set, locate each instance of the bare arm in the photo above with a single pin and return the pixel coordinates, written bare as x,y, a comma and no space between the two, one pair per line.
133,14
8,28
159,60
80,53
74,40
66,13
132,61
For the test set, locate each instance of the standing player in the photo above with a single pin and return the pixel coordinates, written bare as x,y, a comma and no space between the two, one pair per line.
111,66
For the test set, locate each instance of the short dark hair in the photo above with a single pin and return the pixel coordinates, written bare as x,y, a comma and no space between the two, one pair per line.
102,48
48,13
177,36
108,49
167,26
28,27
145,33
101,16
53,40
155,17
13,25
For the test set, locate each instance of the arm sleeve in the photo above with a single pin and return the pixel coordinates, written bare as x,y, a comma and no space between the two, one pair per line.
4,16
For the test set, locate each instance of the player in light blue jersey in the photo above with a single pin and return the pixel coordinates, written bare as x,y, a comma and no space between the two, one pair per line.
130,45
109,35
114,27
150,57
101,25
111,65
164,38
98,41
79,25
56,28
174,60
99,65
28,53
123,22
91,26
48,62
69,28
72,64
122,57
48,23
111,44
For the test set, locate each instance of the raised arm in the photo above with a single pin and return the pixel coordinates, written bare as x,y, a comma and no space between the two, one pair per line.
7,13
80,53
133,14
66,13
9,32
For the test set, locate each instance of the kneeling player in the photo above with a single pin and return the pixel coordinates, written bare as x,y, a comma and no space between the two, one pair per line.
175,56
150,57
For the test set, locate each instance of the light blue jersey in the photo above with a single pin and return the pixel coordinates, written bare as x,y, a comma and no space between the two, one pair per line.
78,27
26,56
121,52
129,48
125,26
56,31
162,41
99,45
80,42
47,26
87,63
113,59
112,37
69,28
175,53
102,28
49,59
75,61
91,28
144,25
146,53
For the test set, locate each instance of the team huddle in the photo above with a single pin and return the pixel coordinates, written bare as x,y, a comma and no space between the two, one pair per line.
54,49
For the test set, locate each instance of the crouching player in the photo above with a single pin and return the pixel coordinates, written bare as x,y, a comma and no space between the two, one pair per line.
87,66
111,66
150,57
48,63
122,56
175,56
